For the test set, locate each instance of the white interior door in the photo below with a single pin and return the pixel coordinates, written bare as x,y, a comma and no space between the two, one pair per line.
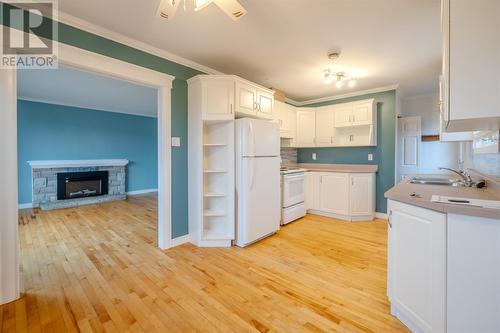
409,146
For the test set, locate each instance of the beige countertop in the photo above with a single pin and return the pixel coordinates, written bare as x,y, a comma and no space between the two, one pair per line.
347,168
403,192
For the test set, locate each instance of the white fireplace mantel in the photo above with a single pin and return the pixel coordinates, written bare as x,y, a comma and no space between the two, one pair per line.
76,163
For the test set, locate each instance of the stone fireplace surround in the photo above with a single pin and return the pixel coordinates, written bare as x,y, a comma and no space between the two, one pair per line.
44,181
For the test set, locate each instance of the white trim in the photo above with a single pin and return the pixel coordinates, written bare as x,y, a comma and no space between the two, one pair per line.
337,97
382,216
181,240
134,43
25,205
138,192
74,105
9,205
75,163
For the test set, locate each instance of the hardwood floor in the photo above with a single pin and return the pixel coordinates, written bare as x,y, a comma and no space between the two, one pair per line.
96,269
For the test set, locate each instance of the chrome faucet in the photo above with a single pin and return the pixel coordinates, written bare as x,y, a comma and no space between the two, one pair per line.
466,179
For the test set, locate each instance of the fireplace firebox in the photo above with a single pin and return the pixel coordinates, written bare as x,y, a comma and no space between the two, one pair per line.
72,185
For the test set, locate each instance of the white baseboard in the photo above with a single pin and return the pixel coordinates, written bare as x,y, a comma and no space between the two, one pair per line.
382,216
181,240
149,190
25,205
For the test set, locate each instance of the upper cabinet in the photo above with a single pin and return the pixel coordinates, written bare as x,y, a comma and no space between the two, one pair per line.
217,97
253,101
325,126
227,96
471,65
306,128
286,117
246,99
355,114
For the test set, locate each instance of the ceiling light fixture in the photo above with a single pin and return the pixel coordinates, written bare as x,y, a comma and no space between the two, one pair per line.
168,8
338,77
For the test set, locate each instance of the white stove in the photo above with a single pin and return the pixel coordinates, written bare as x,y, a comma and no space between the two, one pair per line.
293,206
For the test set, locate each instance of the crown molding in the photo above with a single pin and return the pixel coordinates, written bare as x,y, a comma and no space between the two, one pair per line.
117,37
337,97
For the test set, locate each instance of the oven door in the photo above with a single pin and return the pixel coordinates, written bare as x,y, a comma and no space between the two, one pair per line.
293,189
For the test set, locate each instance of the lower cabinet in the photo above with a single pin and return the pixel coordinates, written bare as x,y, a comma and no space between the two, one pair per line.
417,267
347,196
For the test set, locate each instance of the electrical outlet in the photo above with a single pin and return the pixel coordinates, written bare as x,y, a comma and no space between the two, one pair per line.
176,142
370,157
313,156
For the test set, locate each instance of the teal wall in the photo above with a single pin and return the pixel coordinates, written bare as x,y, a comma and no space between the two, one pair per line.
383,154
88,41
56,132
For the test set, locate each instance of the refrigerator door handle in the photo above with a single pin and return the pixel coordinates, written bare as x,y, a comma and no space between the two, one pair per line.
252,138
251,171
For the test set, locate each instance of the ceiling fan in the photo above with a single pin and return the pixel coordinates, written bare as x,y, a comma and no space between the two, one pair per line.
233,8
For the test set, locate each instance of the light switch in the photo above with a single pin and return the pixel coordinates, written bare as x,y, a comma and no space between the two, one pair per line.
176,141
370,157
313,156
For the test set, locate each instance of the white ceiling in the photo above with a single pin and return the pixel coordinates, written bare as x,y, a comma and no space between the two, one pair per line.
283,43
69,86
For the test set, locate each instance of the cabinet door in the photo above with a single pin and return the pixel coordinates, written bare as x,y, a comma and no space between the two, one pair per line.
218,100
343,116
246,99
362,194
362,114
265,104
312,182
334,193
290,120
473,39
325,127
306,128
417,266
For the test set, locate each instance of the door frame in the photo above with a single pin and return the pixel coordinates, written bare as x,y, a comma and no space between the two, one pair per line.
102,65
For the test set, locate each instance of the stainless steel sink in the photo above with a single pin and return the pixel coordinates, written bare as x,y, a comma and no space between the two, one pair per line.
437,181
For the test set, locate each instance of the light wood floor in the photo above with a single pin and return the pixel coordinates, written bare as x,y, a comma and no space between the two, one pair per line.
96,268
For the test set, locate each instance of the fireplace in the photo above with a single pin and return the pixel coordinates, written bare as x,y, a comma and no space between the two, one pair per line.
72,185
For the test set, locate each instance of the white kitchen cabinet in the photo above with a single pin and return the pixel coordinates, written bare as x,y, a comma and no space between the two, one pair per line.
306,128
246,99
312,182
473,274
325,127
334,193
355,113
215,97
346,196
265,104
343,115
362,194
417,267
471,65
286,117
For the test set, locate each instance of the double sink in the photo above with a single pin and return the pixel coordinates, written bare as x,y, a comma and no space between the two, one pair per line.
438,181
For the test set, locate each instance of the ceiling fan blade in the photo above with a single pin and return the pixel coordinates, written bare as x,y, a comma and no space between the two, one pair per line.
167,8
232,8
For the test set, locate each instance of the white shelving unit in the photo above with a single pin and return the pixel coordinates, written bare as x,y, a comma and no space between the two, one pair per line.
211,163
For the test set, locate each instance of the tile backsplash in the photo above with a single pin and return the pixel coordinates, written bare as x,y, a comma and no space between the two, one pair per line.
288,155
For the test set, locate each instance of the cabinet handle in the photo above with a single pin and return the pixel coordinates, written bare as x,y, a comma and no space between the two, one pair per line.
389,220
321,179
231,108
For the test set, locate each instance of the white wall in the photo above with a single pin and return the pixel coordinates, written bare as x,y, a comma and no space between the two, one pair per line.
434,154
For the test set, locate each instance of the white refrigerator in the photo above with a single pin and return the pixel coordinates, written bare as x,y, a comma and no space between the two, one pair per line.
257,180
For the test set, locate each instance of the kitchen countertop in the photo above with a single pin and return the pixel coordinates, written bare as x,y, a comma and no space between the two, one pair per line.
403,190
344,168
